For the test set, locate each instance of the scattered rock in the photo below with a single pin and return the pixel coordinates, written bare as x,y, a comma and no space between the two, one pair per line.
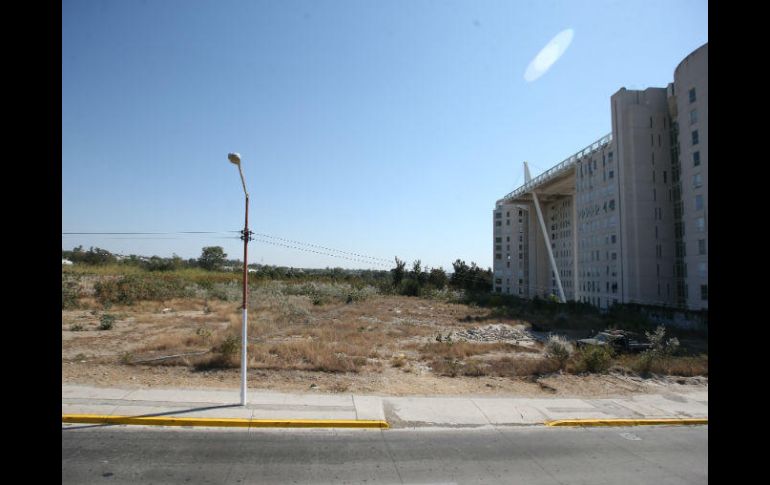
495,333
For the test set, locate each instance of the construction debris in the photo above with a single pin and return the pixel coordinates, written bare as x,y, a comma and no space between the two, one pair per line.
498,332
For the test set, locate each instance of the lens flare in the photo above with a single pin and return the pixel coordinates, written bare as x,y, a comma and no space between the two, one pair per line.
548,55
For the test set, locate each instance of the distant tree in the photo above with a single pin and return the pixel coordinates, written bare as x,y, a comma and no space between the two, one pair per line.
437,278
460,274
95,256
471,278
417,273
398,272
212,258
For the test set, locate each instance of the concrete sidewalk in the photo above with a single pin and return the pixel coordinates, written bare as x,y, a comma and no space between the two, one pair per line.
399,412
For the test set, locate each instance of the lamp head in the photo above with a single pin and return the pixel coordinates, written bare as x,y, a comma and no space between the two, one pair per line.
234,158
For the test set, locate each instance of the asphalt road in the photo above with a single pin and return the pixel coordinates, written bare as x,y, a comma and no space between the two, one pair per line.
528,455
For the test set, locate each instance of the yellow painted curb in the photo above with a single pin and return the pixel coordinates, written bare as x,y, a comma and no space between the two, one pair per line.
625,422
223,422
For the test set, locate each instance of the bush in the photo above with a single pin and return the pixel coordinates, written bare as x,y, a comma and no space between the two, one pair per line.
229,346
409,288
69,295
660,346
136,287
76,328
594,358
656,357
559,349
107,322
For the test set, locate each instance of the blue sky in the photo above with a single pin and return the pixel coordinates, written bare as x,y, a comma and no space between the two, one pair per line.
378,128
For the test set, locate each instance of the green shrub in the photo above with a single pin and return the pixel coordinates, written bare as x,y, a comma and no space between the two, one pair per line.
559,349
136,287
70,293
594,358
76,328
660,352
107,322
229,346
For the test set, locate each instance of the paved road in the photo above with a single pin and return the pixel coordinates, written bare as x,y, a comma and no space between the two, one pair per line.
511,455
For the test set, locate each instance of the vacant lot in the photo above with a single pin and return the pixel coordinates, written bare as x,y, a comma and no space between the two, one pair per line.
332,337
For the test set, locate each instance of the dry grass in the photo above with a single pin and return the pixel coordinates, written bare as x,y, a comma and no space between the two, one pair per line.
304,355
684,366
503,367
512,367
462,350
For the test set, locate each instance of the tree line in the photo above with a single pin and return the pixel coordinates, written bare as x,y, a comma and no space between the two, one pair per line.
400,280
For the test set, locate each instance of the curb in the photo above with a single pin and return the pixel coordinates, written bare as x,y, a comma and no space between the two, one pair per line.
627,422
223,422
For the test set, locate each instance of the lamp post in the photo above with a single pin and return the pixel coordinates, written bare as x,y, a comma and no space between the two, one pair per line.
246,237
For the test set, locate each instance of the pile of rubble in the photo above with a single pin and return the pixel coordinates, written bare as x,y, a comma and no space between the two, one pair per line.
499,332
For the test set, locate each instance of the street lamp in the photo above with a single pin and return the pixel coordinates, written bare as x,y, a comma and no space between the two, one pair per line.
246,237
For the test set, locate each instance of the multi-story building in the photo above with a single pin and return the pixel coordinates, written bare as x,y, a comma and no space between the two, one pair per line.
625,219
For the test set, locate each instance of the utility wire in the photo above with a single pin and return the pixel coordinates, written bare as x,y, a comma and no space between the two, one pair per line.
322,247
146,233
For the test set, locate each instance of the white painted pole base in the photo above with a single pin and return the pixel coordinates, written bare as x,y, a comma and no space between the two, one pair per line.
243,358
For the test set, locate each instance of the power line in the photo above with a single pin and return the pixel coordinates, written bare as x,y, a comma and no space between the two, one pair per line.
322,247
146,233
319,252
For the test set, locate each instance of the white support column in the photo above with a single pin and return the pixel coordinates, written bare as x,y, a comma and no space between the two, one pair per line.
527,178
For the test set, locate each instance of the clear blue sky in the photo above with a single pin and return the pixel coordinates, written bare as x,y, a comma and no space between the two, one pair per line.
377,127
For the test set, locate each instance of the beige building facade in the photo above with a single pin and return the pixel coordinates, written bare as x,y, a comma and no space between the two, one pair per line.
625,219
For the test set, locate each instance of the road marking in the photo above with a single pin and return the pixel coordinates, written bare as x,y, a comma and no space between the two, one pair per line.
630,436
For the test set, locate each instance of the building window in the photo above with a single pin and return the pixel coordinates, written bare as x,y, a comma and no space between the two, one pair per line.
697,180
695,159
507,222
498,223
498,256
508,264
498,239
612,204
695,137
704,292
692,95
693,116
498,215
700,224
698,202
701,246
612,238
611,174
